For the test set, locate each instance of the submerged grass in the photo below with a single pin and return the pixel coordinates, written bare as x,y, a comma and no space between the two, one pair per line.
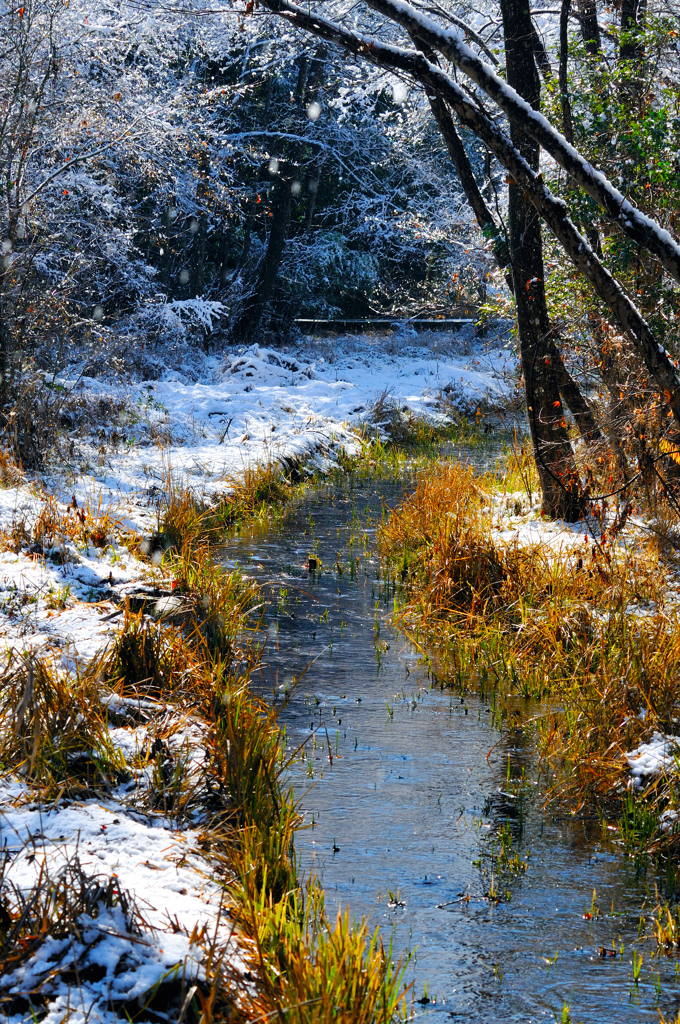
589,628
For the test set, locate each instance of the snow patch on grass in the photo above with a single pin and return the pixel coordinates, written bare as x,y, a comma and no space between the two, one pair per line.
653,758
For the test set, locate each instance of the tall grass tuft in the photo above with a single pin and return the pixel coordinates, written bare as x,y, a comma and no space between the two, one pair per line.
54,729
587,628
188,521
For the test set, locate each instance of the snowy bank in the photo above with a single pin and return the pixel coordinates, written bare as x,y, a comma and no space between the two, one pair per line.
653,758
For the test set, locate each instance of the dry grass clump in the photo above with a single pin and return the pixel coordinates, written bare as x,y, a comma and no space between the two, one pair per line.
257,494
57,525
313,971
88,524
148,660
218,600
437,542
184,520
591,628
53,730
11,475
443,544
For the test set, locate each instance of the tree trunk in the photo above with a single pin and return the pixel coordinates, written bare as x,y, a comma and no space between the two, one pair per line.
301,84
540,56
552,449
632,16
573,397
590,30
313,191
565,101
248,318
569,389
460,161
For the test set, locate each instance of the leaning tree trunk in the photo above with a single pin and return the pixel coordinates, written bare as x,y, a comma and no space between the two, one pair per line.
552,449
246,324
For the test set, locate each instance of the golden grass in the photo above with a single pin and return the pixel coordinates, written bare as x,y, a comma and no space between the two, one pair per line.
90,524
259,493
54,729
11,475
546,624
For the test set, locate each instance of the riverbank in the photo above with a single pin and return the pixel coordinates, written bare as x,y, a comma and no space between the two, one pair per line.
70,535
150,763
424,803
583,618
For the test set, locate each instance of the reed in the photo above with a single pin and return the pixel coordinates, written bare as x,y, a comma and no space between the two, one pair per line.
53,730
11,475
545,624
259,493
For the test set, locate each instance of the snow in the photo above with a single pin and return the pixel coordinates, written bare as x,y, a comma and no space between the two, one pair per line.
653,758
158,865
265,405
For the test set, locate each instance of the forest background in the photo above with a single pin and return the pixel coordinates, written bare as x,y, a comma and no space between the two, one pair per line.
188,176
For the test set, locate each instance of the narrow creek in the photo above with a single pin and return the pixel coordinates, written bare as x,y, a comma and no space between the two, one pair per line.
405,790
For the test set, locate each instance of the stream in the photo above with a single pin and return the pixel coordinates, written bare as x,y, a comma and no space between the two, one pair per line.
408,788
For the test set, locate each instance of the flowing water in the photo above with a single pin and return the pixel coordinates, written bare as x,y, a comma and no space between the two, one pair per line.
407,787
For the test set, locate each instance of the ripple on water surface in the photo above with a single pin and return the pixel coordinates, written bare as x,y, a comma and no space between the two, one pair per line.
406,802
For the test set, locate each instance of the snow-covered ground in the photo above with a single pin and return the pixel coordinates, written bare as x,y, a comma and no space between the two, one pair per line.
653,758
121,952
259,405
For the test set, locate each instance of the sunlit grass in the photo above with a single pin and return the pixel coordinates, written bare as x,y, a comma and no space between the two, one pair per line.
589,629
